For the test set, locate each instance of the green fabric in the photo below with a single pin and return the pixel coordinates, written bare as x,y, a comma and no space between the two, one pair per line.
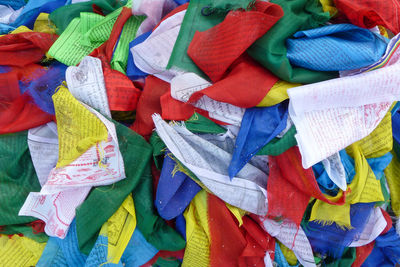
279,145
192,22
158,149
79,40
63,16
349,256
200,124
17,177
161,262
121,53
25,230
270,50
103,201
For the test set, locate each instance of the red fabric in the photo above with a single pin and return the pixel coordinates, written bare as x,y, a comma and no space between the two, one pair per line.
97,9
216,49
290,183
149,103
369,13
37,226
388,221
173,109
245,85
258,243
24,48
362,254
18,112
122,93
284,199
227,240
289,163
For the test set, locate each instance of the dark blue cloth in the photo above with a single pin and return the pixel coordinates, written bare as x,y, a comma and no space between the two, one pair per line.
43,87
332,240
175,190
386,251
259,126
396,127
335,47
132,71
180,225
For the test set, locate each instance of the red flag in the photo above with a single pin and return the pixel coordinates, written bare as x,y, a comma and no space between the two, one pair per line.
216,49
369,13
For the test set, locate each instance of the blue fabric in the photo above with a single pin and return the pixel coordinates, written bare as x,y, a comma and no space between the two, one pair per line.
70,248
325,183
395,108
335,47
328,187
98,255
132,71
259,126
138,251
396,127
280,258
43,87
14,4
331,239
30,12
386,251
180,225
181,2
65,252
175,190
52,255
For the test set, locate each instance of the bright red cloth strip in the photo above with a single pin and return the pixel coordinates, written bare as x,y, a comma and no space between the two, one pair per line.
258,243
18,112
303,179
290,183
284,199
216,49
245,85
369,13
149,103
21,114
24,48
227,240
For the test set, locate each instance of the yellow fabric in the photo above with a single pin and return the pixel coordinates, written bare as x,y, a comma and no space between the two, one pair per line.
329,6
288,253
237,212
383,31
277,94
19,251
364,188
43,24
392,173
119,229
78,129
20,29
197,251
380,141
